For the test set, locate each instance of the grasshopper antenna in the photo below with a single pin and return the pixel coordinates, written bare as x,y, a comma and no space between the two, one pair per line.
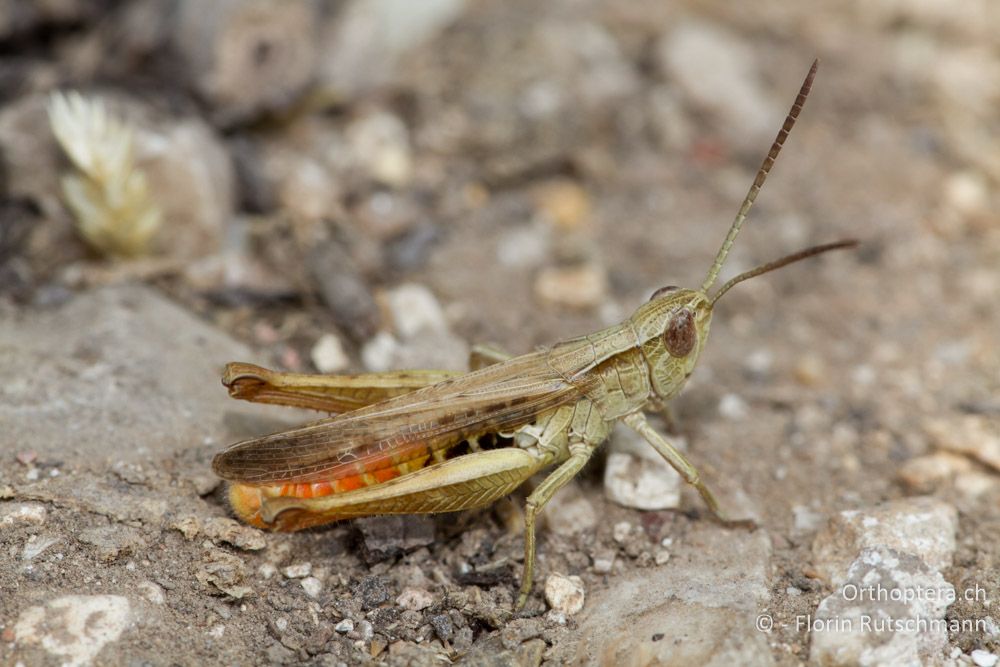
778,263
758,181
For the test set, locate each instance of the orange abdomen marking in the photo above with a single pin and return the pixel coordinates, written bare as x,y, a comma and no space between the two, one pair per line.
247,500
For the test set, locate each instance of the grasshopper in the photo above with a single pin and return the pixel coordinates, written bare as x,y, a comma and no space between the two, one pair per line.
426,441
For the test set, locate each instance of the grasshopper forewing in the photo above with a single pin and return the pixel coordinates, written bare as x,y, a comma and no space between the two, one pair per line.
436,441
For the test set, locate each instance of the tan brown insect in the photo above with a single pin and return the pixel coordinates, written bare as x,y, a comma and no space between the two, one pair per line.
435,441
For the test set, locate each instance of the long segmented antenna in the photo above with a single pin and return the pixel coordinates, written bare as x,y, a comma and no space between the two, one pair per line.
758,181
784,261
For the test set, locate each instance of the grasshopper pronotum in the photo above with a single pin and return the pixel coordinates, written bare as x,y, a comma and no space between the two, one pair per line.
416,442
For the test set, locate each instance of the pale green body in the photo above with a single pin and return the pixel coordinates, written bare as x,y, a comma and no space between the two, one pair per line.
557,405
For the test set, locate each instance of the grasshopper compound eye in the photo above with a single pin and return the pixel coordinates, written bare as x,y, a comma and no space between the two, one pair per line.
680,335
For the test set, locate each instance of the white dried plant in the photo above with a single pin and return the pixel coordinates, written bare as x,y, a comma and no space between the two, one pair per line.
107,194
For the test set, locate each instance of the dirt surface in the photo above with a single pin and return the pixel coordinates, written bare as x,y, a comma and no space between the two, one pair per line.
518,174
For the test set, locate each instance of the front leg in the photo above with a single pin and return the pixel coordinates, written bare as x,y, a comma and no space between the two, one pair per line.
637,421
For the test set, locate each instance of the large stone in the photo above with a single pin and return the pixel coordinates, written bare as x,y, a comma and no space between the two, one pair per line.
115,375
923,527
889,611
698,609
72,629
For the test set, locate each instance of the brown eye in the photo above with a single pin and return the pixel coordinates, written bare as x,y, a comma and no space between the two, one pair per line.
680,335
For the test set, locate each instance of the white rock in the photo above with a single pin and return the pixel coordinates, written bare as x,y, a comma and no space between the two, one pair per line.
298,570
733,407
759,362
152,592
367,38
328,354
365,630
312,586
378,353
972,435
22,513
74,628
415,599
345,626
662,557
267,570
621,531
882,587
604,562
806,520
36,544
569,512
525,247
923,527
636,476
564,594
380,143
984,658
415,310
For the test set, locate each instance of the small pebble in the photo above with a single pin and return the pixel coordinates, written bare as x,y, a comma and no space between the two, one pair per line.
564,594
23,513
267,570
806,520
759,363
604,563
415,599
641,482
926,473
972,435
380,142
810,370
328,354
732,406
570,512
378,353
583,286
564,203
298,570
151,592
312,586
365,630
662,557
984,658
36,545
524,247
968,192
415,309
26,457
555,617
345,626
621,531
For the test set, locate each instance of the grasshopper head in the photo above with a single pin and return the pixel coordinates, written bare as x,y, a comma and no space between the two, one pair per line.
673,325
